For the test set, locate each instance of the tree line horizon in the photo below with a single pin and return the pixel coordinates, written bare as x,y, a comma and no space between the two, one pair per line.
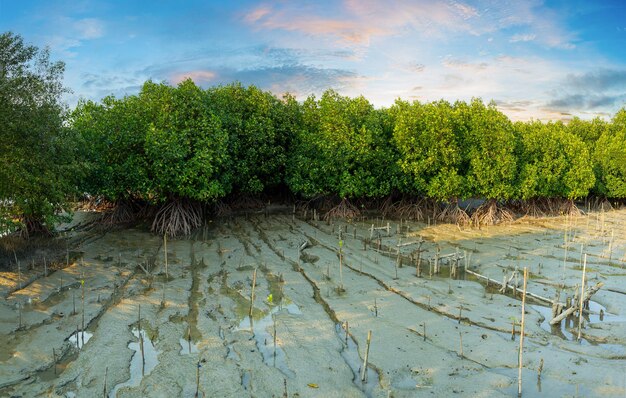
187,145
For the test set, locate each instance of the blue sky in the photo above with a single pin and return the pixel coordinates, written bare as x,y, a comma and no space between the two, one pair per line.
535,59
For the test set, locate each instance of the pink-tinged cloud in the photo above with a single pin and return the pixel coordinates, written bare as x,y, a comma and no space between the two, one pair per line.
198,76
257,14
358,21
361,20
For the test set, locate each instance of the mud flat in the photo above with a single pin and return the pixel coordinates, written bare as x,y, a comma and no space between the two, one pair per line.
304,334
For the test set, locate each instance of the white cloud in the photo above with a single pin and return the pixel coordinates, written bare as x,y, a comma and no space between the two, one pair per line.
520,37
89,28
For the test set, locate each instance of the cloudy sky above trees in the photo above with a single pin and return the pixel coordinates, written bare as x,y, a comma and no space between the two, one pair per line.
535,59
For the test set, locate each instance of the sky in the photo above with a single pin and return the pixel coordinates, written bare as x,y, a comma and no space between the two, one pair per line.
535,59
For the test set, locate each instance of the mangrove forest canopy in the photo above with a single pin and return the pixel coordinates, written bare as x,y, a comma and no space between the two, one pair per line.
169,152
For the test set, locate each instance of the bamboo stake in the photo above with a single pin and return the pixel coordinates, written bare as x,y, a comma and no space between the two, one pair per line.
104,390
143,358
461,345
82,283
347,332
198,379
189,337
341,265
582,296
367,353
418,263
252,294
165,254
54,360
521,339
611,247
274,322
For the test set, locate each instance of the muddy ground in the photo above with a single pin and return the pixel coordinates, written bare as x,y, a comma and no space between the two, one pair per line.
433,335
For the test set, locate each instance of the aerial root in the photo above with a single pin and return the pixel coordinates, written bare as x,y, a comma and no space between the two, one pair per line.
344,210
489,213
177,217
121,212
454,214
32,226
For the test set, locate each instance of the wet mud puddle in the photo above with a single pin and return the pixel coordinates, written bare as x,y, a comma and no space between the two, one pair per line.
350,355
137,368
567,328
264,333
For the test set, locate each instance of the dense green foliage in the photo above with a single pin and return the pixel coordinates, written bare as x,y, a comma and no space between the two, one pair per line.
187,145
610,155
342,148
553,162
37,167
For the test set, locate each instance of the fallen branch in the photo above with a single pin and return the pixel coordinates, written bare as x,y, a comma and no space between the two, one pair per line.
593,290
495,282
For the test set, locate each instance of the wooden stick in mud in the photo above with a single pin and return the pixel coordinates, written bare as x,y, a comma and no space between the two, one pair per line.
341,265
82,283
45,267
424,329
274,324
611,246
104,389
521,338
347,332
143,358
398,262
163,297
54,360
189,337
19,310
165,254
418,262
19,275
375,308
582,296
367,353
461,345
252,293
197,380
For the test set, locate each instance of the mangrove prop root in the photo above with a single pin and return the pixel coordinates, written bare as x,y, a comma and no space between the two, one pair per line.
489,213
344,210
177,217
454,214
